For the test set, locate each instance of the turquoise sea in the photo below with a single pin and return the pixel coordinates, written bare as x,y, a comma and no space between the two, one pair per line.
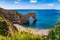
45,18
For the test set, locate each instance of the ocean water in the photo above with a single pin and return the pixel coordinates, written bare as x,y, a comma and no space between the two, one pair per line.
45,18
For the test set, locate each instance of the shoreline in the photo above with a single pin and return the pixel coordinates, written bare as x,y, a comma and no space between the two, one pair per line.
41,32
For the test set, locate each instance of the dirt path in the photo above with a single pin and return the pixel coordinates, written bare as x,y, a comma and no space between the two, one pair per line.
33,31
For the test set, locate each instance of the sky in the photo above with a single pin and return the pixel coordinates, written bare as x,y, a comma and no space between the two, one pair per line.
30,4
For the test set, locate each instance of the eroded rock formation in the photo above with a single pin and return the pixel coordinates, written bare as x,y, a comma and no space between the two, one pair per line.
25,18
16,17
11,17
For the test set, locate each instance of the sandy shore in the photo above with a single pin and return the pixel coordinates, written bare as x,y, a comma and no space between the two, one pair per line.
41,32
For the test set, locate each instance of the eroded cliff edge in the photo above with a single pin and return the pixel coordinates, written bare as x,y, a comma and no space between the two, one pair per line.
16,17
12,17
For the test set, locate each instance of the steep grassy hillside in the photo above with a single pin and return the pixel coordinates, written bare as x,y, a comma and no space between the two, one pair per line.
8,31
6,27
54,33
19,35
3,27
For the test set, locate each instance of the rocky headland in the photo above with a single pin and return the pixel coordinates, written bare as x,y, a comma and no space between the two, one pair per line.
13,18
16,17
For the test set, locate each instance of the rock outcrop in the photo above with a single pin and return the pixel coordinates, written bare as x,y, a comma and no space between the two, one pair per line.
25,18
16,17
11,17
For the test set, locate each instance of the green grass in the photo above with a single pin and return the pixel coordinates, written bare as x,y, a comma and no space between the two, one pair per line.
20,35
54,33
3,27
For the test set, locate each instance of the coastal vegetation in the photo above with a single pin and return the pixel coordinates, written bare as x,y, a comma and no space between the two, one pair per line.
54,34
3,27
9,32
18,35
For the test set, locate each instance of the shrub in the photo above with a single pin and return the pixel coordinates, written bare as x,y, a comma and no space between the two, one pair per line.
54,33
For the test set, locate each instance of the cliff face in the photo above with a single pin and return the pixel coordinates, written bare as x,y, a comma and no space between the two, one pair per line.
16,17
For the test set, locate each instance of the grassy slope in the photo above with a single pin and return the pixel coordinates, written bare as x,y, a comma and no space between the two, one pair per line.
20,35
3,27
54,33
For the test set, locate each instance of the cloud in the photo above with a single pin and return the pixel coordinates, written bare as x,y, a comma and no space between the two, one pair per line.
51,5
16,2
29,6
46,6
59,0
33,1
